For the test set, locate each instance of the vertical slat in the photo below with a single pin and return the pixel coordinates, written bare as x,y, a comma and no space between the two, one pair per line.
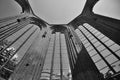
61,66
16,28
52,62
18,48
99,53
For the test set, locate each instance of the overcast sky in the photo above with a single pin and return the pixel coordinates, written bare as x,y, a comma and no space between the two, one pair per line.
9,8
60,11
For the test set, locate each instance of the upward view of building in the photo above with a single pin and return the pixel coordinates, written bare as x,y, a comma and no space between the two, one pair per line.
87,48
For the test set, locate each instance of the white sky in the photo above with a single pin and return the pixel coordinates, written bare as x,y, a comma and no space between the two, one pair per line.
60,11
57,11
108,8
9,8
63,11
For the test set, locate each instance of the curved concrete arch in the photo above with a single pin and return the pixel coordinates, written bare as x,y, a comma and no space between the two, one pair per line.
26,8
38,22
88,8
59,28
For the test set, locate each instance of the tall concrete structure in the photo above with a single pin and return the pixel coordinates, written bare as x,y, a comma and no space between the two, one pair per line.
87,48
